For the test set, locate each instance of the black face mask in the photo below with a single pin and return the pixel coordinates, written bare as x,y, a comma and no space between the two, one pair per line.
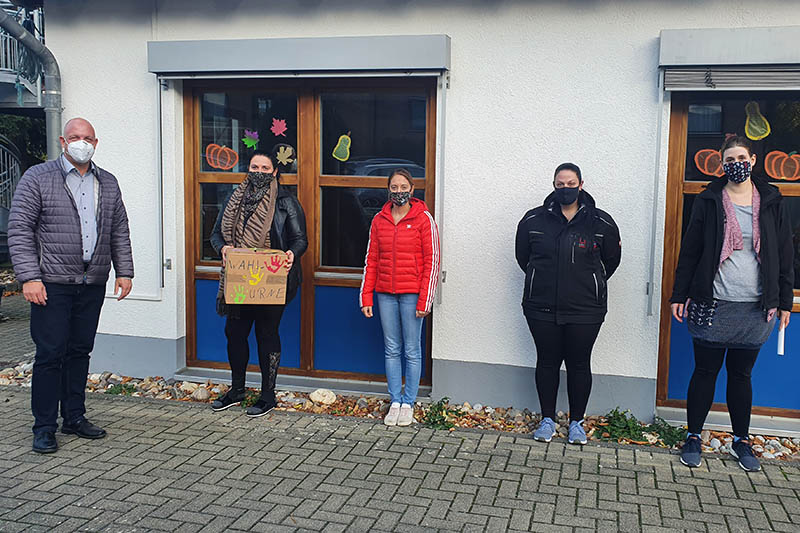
567,195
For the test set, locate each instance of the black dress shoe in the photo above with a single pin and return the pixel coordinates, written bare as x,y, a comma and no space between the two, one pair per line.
45,442
84,429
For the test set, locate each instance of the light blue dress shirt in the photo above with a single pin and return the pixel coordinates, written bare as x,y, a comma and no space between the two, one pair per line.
83,192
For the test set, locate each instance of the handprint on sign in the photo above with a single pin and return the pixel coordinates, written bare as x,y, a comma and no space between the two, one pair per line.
239,295
275,264
255,276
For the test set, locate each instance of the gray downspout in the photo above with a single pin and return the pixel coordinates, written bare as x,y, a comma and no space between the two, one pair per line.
52,80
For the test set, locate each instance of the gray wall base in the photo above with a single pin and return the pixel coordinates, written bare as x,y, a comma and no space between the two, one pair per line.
138,356
507,385
774,426
298,383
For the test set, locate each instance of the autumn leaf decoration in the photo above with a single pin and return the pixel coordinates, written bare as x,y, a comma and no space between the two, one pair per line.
284,155
250,138
278,127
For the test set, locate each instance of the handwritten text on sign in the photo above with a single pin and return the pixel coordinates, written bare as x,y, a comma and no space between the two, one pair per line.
255,277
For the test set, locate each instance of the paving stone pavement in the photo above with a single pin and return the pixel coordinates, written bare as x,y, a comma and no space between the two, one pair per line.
15,332
171,466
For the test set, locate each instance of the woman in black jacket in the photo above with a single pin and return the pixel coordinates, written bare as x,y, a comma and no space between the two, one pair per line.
259,213
734,272
568,249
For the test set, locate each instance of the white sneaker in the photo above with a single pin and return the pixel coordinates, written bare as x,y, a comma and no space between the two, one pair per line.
406,415
391,417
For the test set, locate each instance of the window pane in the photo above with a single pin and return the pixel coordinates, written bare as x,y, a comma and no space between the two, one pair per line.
346,217
370,134
236,123
212,196
770,119
792,204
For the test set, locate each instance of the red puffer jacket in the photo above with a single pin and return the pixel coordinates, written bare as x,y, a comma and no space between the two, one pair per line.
402,258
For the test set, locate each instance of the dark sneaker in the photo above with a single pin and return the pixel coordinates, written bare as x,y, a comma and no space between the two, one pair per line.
84,429
690,452
260,408
742,451
226,401
45,442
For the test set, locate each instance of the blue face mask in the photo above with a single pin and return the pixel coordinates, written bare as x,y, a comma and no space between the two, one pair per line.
737,171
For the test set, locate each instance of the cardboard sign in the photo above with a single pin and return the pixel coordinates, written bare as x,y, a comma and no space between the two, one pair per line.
255,276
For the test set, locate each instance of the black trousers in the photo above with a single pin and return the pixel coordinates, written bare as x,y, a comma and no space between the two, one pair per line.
267,320
63,331
707,364
571,344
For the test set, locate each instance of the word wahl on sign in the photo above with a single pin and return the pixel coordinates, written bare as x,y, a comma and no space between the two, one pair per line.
255,276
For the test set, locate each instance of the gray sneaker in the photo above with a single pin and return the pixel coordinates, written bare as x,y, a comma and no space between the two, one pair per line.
546,430
744,452
577,435
690,452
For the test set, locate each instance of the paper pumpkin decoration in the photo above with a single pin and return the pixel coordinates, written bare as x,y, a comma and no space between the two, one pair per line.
756,126
250,138
342,149
221,157
709,162
782,166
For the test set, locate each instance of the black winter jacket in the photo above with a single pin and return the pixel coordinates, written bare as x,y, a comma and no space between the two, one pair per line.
288,232
567,264
701,247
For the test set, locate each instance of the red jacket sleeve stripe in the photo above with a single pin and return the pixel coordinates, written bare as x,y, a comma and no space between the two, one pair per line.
433,274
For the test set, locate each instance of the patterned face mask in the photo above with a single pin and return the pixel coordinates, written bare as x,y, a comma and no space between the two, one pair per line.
400,198
737,171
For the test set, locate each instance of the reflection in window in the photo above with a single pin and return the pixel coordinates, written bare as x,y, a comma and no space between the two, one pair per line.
713,118
792,204
373,133
236,123
346,217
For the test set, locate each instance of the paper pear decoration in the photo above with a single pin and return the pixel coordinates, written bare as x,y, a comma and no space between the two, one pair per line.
756,126
342,150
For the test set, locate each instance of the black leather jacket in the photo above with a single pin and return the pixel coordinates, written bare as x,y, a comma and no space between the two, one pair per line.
288,232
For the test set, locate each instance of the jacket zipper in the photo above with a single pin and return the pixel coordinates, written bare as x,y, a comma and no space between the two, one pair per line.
573,253
596,288
605,275
394,259
530,285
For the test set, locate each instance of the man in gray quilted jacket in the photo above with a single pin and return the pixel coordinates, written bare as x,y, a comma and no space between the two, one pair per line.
66,228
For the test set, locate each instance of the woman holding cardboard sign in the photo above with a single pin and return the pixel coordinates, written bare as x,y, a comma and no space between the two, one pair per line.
568,249
260,213
402,267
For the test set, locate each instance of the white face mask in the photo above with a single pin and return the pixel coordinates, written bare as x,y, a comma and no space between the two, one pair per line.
80,151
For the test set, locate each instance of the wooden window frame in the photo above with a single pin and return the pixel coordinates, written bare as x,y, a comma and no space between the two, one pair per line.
673,221
309,123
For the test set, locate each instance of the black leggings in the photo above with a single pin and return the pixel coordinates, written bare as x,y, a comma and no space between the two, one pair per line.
267,319
572,344
707,364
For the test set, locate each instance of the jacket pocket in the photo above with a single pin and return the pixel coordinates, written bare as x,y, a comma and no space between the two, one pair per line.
530,284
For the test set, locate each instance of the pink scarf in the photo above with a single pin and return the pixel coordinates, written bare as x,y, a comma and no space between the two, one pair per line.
732,239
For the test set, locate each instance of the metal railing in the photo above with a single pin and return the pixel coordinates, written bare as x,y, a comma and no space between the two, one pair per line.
10,170
9,52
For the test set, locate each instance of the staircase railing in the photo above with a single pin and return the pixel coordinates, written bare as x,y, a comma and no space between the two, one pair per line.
10,170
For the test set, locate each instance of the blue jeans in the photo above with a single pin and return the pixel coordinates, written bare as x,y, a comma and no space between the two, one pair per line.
402,334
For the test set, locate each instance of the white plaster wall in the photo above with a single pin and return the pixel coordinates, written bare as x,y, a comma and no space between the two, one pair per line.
533,84
103,61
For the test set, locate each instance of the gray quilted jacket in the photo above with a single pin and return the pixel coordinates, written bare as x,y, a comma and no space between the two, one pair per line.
44,229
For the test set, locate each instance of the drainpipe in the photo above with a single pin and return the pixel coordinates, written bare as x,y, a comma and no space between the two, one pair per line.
52,80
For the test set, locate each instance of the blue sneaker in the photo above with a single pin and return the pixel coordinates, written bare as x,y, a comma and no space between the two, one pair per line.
742,451
576,433
690,452
546,430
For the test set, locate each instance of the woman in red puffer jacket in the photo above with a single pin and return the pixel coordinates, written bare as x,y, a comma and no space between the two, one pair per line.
402,267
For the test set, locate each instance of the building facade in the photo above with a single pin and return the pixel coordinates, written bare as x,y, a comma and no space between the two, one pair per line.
481,101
